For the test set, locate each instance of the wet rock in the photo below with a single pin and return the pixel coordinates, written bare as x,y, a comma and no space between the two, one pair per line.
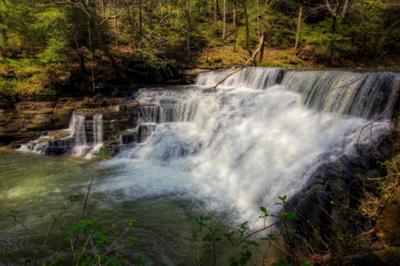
32,118
324,206
145,130
388,225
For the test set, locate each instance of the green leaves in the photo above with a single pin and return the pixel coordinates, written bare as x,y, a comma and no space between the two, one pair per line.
131,222
283,199
242,237
269,237
288,216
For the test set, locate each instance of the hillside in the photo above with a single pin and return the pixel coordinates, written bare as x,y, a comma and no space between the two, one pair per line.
75,46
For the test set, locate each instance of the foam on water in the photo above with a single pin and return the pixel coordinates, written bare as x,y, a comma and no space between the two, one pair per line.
242,147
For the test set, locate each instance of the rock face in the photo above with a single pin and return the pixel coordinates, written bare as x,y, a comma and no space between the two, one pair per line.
323,208
45,126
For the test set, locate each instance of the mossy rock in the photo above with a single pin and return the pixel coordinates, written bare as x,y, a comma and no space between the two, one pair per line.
388,225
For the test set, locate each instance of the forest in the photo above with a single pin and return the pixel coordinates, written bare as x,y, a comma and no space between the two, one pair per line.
200,132
49,45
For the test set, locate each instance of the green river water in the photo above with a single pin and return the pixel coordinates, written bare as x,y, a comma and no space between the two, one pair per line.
37,186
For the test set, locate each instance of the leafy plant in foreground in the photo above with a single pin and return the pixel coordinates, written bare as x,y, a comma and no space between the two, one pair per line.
242,237
85,241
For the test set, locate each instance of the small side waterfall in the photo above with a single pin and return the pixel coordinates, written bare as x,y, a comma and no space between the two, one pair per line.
84,137
78,132
38,146
97,130
260,135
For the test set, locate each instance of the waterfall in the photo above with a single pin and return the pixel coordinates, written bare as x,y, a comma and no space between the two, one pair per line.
79,139
97,136
161,106
148,113
259,136
97,130
251,77
371,95
78,132
39,145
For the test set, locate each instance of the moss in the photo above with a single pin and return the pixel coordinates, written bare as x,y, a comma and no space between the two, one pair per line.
389,256
28,76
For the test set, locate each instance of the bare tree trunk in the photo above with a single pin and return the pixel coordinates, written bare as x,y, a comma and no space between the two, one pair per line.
333,11
102,6
262,47
224,22
344,10
234,15
140,17
131,21
235,26
215,10
298,30
235,36
252,59
258,18
246,17
188,30
210,11
116,32
81,58
91,54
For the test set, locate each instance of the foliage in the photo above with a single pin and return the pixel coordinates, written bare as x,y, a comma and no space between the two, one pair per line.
83,241
100,39
87,240
103,153
245,240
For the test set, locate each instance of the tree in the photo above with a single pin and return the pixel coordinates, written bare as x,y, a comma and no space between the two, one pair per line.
246,17
224,22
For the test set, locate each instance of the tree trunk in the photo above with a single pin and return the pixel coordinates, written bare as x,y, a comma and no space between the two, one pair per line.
262,46
102,7
298,30
344,11
140,17
116,32
188,30
2,44
81,58
252,59
216,8
258,18
246,17
234,15
131,21
106,50
224,22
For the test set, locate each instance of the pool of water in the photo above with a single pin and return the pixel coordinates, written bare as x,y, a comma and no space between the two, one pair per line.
36,187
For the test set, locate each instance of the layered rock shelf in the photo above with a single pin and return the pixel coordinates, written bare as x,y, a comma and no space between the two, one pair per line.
45,126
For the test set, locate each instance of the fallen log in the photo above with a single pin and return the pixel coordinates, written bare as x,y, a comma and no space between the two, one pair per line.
250,60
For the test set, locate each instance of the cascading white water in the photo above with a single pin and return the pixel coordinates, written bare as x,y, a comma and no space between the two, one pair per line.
371,95
78,132
73,140
38,145
253,140
165,106
97,133
251,77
